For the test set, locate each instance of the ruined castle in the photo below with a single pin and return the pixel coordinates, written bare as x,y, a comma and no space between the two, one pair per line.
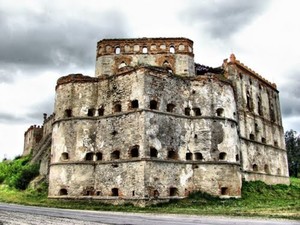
152,125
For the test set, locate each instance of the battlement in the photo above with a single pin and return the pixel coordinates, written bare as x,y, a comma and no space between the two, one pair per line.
176,54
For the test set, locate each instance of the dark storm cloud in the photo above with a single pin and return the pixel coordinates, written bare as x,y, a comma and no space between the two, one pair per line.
38,109
52,40
222,19
289,95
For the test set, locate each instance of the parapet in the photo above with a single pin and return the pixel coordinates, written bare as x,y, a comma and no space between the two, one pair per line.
174,53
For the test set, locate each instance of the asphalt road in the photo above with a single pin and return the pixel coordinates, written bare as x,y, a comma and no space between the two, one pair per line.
11,214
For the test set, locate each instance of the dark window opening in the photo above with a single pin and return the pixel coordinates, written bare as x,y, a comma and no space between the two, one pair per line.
115,192
101,111
153,104
272,113
195,136
220,111
115,165
222,156
172,154
266,168
134,104
187,111
278,171
173,191
263,140
198,156
259,109
197,111
170,107
252,137
65,156
255,167
189,156
224,191
89,156
133,193
155,193
256,128
276,143
134,152
91,112
63,191
153,152
117,107
98,156
237,157
249,104
114,133
98,193
68,113
115,155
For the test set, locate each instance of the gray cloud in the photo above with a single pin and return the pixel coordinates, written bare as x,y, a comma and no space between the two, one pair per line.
7,118
42,40
39,108
222,19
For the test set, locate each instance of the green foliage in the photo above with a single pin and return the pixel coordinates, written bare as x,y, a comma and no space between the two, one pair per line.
292,142
18,173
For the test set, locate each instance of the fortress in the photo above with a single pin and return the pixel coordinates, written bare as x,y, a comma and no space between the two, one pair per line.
153,125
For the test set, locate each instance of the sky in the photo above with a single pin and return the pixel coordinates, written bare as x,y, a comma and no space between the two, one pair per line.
42,40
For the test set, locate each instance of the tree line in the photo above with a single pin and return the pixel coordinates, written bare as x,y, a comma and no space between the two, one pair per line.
292,142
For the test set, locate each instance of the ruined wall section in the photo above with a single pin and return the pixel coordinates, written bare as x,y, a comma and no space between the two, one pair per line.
32,137
260,124
117,55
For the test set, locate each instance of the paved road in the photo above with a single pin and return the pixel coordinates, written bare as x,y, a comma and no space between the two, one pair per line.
11,214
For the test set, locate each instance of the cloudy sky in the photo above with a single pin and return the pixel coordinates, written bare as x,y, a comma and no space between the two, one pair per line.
41,41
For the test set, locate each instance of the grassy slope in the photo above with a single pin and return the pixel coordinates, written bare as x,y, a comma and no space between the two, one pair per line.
258,199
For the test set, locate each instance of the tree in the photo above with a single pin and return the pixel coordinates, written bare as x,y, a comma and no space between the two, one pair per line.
292,142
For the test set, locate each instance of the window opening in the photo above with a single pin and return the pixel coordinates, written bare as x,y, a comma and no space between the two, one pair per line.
170,107
115,192
173,191
220,111
134,152
237,157
263,140
133,193
98,156
266,168
117,50
89,156
222,156
65,156
197,111
91,112
153,104
172,154
255,167
117,107
101,111
187,111
134,104
252,137
153,152
224,191
68,113
172,49
189,156
115,155
259,106
198,156
63,191
276,143
145,50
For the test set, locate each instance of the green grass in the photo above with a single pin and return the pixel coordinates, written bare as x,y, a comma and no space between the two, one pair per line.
258,200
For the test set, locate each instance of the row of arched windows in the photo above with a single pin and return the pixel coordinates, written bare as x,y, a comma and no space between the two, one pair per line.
153,105
266,169
134,153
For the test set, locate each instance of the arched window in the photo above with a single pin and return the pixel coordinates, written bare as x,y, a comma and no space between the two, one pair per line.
248,101
101,111
173,191
198,156
172,154
145,50
89,156
252,137
117,50
266,168
170,107
255,167
263,140
99,156
259,107
153,104
115,155
114,192
153,152
172,49
189,156
65,156
220,112
134,151
68,113
237,157
197,111
187,111
63,191
117,107
222,156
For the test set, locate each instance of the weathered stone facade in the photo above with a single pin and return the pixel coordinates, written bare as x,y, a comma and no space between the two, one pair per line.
153,125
